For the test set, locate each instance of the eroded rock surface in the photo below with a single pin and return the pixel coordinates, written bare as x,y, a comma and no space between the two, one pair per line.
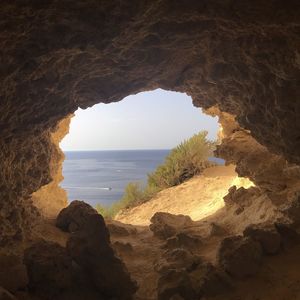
49,269
13,273
266,235
240,256
89,246
240,56
165,225
190,277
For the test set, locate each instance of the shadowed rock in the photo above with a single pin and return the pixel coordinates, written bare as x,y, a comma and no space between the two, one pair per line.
5,295
266,235
49,269
175,284
13,273
240,256
189,277
73,217
207,280
89,246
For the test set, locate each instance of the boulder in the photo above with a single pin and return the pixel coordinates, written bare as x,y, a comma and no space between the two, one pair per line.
165,225
266,235
74,216
49,269
240,256
12,264
89,246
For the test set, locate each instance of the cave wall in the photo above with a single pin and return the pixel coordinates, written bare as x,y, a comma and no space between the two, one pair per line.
50,199
58,55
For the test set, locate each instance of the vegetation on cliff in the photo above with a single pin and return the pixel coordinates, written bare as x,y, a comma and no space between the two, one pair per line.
188,159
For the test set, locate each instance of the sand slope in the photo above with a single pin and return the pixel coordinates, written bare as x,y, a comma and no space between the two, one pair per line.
199,197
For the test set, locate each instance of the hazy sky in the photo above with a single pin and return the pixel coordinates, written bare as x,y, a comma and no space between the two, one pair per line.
149,120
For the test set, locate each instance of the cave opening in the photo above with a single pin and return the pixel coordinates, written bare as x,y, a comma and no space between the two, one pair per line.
237,59
109,147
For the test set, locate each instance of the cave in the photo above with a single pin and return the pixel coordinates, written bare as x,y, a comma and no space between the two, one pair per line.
238,60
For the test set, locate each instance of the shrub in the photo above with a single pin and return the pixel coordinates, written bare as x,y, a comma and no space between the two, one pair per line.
104,211
188,159
185,161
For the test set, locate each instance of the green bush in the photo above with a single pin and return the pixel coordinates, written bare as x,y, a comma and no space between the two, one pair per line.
133,195
185,161
105,211
188,159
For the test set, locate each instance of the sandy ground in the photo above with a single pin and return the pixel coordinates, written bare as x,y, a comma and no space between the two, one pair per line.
198,197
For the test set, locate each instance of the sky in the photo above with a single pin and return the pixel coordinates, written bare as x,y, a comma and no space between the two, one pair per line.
149,120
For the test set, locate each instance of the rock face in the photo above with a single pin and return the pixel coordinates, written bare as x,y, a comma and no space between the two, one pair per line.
239,256
89,246
49,269
56,57
267,236
165,225
187,276
51,198
13,273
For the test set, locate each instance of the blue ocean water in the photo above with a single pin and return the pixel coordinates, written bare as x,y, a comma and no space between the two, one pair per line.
101,176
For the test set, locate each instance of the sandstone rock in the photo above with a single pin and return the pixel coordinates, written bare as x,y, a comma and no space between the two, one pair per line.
241,197
74,216
13,273
183,240
266,235
216,230
165,225
292,172
290,236
240,256
255,50
89,246
193,283
291,207
175,284
207,280
5,295
49,269
178,259
254,161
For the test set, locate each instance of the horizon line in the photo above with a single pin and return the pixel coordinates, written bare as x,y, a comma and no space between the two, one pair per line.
90,150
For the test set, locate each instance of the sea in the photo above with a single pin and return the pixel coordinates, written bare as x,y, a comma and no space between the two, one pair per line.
100,177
